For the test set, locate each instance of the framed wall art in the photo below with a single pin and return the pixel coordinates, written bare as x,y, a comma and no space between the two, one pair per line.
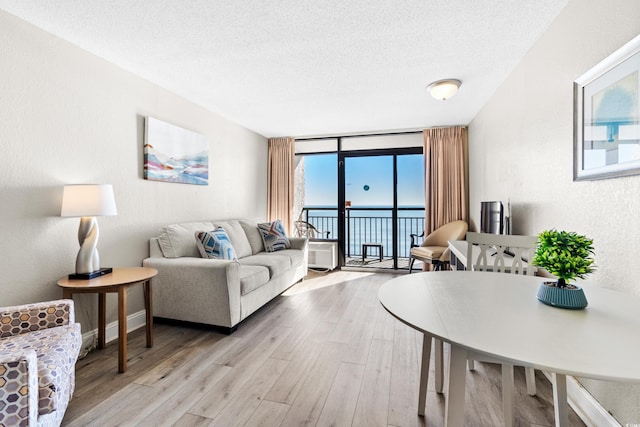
607,116
175,154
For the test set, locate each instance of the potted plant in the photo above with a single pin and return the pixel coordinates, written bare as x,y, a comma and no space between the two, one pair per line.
566,255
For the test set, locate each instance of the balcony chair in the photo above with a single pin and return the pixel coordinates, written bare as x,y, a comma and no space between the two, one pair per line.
306,229
39,346
435,248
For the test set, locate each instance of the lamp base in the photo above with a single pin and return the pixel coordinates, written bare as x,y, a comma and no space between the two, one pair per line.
92,275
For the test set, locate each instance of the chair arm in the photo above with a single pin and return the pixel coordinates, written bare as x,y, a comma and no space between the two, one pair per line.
33,317
414,238
18,372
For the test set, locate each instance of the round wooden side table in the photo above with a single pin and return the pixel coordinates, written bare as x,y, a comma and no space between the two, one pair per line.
118,282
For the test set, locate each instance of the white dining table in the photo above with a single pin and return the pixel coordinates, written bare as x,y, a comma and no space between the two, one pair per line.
498,316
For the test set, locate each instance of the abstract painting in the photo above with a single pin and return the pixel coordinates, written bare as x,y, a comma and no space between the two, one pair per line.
175,154
607,117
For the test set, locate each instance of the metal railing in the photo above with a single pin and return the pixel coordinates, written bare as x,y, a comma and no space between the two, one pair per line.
367,225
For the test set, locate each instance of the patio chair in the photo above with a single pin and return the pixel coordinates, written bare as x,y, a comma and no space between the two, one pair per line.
306,229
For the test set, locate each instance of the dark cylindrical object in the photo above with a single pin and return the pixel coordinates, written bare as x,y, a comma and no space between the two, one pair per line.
491,217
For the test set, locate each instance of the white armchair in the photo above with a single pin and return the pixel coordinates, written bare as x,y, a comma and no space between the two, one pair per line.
39,346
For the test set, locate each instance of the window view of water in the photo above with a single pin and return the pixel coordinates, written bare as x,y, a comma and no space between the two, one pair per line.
369,224
372,184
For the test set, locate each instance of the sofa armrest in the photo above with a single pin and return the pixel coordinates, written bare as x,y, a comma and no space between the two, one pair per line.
299,243
196,290
32,317
19,372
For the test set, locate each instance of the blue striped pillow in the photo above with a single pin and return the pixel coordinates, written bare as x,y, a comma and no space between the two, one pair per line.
215,244
274,236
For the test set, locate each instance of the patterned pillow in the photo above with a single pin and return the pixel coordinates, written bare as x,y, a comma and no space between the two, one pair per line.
215,244
274,236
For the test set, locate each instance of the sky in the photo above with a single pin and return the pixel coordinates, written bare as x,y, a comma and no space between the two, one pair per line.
369,180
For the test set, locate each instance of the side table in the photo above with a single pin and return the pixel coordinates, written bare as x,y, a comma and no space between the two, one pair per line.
118,282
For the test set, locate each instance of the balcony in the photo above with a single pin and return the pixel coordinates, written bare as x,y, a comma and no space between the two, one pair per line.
370,225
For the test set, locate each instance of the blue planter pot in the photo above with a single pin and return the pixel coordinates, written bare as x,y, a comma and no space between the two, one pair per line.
571,298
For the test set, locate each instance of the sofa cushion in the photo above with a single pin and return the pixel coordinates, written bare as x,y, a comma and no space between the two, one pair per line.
274,236
275,263
237,236
296,256
215,244
253,235
252,277
176,240
57,350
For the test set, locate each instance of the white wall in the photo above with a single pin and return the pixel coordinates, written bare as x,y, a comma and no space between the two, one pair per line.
521,148
67,117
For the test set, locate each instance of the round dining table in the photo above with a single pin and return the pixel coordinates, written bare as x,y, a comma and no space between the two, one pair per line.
498,316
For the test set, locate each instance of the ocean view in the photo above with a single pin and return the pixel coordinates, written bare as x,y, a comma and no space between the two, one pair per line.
369,224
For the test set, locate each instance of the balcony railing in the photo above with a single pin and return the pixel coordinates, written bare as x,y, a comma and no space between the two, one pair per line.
368,225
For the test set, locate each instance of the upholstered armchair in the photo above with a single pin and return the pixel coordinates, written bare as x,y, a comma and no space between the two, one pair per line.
435,247
39,346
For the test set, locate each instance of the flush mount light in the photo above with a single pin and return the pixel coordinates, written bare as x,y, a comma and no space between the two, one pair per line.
444,89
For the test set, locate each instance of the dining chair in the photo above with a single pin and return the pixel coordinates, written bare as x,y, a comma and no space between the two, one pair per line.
503,254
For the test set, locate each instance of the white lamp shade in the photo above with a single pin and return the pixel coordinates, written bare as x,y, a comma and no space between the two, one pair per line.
88,200
444,89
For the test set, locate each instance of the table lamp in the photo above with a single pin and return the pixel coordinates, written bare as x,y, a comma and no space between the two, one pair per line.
87,202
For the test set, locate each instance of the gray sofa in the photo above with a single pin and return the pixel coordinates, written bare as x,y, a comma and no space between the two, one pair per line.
219,292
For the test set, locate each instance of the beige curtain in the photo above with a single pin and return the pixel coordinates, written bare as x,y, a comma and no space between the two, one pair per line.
281,181
445,176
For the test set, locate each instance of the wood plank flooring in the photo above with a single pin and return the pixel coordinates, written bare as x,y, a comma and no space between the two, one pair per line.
324,353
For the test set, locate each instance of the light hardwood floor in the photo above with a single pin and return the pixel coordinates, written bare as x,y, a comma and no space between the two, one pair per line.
324,353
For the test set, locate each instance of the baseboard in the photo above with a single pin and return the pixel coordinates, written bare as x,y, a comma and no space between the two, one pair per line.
134,321
586,406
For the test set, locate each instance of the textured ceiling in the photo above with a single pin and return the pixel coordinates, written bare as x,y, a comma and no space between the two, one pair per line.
301,68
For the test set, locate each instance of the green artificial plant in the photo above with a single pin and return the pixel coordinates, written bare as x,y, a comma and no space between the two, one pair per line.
565,254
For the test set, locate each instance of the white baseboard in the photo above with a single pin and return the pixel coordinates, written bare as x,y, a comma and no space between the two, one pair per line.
134,321
586,406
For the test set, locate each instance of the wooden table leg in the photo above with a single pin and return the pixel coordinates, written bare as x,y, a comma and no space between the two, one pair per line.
122,329
454,404
102,320
424,372
147,308
561,410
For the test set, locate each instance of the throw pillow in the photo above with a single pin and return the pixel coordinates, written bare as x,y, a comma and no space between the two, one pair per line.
274,236
215,244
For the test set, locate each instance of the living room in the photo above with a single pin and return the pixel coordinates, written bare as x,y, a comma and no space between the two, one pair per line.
68,116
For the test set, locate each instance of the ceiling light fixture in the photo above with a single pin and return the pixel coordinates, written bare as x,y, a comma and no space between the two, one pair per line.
444,89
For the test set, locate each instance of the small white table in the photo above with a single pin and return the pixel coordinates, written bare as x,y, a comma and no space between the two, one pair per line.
497,315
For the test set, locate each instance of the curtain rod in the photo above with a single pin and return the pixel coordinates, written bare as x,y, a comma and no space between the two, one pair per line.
315,138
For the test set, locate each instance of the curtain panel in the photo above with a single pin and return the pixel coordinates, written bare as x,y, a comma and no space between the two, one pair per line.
280,186
445,176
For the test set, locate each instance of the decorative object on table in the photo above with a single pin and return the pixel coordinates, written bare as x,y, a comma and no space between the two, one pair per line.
568,256
175,154
606,116
87,202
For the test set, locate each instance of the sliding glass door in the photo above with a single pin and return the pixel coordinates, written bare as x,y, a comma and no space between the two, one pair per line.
383,206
